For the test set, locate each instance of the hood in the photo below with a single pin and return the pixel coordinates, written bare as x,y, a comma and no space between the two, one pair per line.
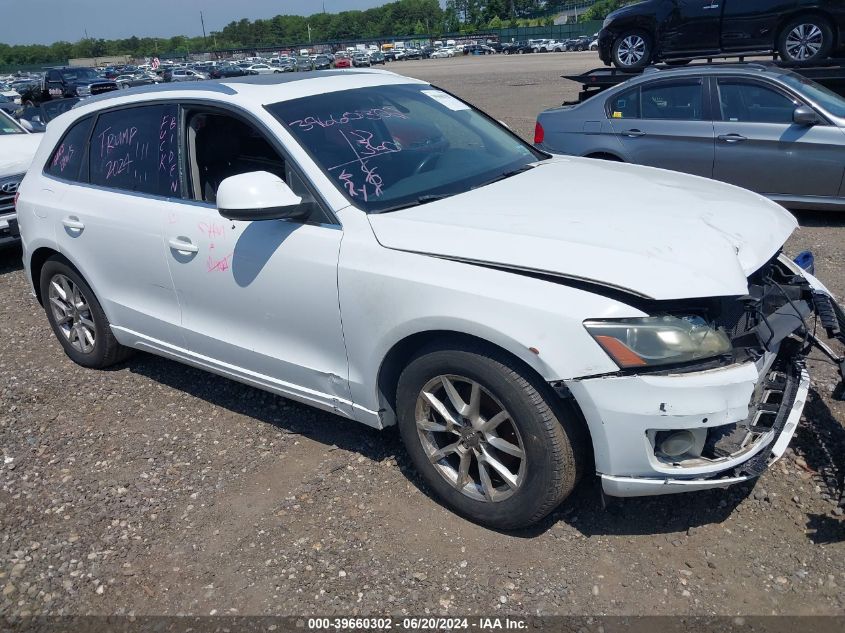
637,7
17,152
650,232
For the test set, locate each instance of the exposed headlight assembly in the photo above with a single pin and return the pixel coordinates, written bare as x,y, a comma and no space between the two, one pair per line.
658,340
83,91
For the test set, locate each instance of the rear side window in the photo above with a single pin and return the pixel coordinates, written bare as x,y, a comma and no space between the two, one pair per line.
625,105
136,149
67,157
676,101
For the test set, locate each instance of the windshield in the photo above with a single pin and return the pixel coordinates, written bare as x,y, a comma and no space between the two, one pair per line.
391,146
826,98
79,73
8,126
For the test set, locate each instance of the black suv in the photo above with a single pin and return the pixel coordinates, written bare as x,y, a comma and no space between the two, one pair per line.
801,31
515,48
68,81
580,43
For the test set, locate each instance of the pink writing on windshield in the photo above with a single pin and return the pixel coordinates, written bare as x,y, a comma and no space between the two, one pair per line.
373,114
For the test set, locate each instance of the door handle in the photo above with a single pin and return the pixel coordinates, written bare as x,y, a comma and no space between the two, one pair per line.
72,222
633,133
732,138
182,246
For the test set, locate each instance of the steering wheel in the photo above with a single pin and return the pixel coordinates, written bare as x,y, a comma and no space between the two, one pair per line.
427,163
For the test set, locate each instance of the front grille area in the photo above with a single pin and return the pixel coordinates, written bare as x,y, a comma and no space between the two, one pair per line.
105,86
8,188
768,412
774,308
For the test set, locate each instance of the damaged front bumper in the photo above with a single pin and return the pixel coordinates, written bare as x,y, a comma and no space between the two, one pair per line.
731,421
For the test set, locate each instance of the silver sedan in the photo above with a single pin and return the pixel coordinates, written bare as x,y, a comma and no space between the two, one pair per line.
753,125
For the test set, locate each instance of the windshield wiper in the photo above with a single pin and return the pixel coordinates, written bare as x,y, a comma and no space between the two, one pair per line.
507,174
415,203
439,196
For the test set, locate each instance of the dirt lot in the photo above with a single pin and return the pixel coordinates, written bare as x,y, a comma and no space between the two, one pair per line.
154,488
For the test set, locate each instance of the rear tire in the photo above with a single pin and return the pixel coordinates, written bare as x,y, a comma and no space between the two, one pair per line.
632,50
509,491
77,319
805,40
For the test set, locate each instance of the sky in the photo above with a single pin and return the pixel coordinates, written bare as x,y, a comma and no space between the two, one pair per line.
48,21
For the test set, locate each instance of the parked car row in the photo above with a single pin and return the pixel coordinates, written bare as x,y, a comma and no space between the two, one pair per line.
580,43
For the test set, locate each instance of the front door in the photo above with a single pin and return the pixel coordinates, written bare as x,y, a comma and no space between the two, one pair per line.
258,299
760,148
665,124
691,26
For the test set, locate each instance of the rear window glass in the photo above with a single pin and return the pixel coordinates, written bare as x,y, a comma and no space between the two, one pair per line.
67,157
625,105
677,101
136,149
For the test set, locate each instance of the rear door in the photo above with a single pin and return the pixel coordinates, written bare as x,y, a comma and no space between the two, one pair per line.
760,148
115,192
691,26
752,24
665,123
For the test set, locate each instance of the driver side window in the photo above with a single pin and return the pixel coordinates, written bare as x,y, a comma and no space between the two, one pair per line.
220,146
754,103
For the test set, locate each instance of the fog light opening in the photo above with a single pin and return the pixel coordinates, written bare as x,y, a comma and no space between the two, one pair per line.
675,443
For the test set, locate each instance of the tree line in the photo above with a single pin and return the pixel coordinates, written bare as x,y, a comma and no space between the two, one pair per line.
402,17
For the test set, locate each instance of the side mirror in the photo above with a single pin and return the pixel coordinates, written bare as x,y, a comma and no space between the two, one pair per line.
259,195
804,115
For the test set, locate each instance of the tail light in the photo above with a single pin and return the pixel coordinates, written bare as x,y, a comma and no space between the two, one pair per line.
539,133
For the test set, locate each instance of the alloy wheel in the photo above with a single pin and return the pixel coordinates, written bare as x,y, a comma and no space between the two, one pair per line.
632,50
804,41
72,313
470,438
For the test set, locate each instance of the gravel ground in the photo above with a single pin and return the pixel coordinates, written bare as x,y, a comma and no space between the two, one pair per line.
154,488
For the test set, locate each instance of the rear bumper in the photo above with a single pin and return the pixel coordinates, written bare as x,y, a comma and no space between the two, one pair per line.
9,233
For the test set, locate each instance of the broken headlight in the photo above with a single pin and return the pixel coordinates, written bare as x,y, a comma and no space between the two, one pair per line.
658,340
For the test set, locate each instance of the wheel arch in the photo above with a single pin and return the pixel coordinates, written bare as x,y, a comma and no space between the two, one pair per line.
816,11
36,264
398,356
605,155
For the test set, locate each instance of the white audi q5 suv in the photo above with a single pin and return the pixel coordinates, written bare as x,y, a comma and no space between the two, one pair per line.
373,246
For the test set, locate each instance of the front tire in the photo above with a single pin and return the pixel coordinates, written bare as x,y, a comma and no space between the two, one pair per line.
805,40
485,435
632,50
77,318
